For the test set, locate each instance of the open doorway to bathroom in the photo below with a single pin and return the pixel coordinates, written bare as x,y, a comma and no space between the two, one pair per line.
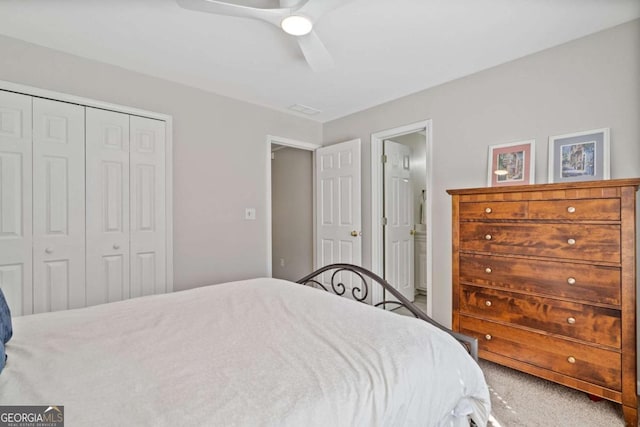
404,228
401,181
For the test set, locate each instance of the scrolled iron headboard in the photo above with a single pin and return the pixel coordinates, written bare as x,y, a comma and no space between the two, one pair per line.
360,292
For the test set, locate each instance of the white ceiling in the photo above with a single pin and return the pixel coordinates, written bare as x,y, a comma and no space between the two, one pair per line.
383,49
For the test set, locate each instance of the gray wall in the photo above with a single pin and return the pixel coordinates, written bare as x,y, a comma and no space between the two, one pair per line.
292,211
588,83
219,156
220,153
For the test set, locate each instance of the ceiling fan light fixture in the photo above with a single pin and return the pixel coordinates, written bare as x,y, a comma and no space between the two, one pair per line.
296,25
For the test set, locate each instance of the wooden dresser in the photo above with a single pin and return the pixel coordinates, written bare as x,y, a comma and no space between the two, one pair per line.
545,277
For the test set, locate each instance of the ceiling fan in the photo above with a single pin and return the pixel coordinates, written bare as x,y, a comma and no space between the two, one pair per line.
295,17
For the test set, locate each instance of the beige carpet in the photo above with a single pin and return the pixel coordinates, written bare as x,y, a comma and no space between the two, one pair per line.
520,399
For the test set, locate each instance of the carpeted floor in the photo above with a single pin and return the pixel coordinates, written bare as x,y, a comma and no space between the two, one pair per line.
520,399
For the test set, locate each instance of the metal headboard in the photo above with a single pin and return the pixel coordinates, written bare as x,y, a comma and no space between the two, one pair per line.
360,293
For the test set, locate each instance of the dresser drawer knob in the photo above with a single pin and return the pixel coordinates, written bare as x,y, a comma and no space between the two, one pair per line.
488,210
571,320
571,359
571,280
488,270
571,209
488,237
571,241
487,303
488,337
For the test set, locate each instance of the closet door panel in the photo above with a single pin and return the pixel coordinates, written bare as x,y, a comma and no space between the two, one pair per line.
58,206
107,154
16,237
148,250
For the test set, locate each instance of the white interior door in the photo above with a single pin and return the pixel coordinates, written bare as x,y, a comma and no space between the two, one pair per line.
107,154
16,237
338,205
148,221
58,206
399,229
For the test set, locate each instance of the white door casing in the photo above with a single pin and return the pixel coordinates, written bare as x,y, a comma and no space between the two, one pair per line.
58,206
16,234
399,229
107,163
338,206
300,145
148,221
377,205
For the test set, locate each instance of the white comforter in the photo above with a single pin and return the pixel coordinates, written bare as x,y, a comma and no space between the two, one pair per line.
260,352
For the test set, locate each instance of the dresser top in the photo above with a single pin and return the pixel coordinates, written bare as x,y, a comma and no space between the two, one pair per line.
627,182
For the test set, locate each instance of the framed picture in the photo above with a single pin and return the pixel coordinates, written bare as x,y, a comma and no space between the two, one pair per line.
511,164
581,156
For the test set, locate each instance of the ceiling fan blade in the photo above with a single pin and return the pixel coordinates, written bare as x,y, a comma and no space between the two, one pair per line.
314,9
291,3
315,53
273,16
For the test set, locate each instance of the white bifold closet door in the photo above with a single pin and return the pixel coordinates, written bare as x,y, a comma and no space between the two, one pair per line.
125,206
107,147
58,206
82,205
148,207
16,231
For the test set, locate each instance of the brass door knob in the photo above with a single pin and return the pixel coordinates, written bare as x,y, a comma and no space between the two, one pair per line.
412,232
354,233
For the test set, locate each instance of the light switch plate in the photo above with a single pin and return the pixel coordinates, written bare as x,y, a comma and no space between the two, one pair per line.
250,214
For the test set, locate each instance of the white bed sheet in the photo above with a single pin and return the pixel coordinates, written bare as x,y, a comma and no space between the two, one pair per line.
260,352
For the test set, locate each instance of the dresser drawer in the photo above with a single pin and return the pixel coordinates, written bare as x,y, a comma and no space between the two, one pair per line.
569,241
568,280
493,210
581,361
584,322
587,209
579,209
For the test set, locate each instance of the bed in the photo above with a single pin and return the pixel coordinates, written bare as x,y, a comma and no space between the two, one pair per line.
260,352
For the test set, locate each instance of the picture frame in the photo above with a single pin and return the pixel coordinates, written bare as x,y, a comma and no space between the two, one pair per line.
579,156
511,164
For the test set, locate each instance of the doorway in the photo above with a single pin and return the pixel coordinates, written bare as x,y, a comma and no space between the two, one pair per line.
401,209
290,212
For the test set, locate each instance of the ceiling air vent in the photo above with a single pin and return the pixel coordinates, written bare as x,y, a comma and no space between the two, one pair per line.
309,111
